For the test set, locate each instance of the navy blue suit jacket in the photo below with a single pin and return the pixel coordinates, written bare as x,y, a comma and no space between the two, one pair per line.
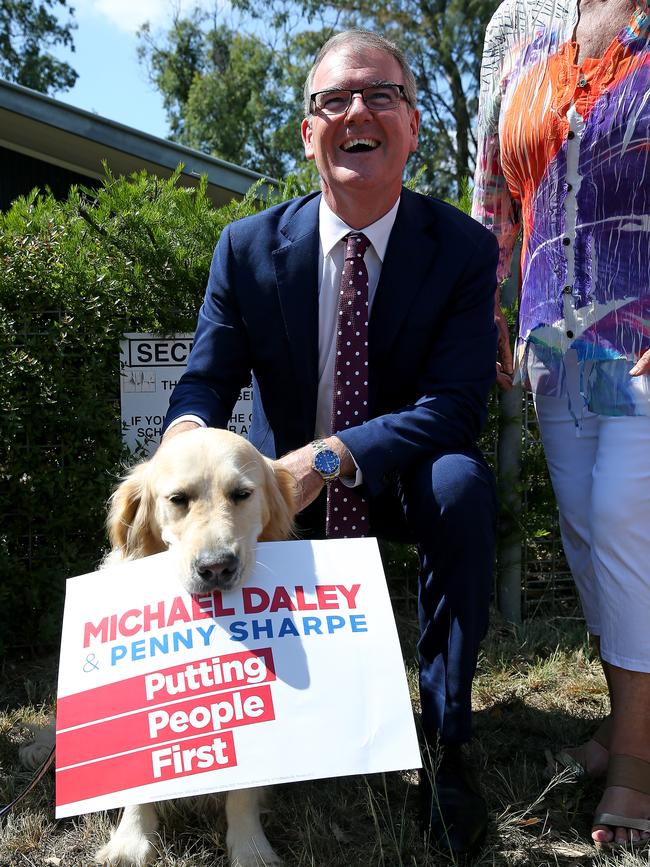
432,338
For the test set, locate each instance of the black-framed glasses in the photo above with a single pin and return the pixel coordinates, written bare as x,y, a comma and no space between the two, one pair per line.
379,97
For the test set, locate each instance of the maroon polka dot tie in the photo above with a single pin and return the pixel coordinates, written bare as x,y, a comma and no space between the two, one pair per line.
347,510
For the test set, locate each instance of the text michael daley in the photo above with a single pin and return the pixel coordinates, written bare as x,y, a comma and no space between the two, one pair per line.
321,610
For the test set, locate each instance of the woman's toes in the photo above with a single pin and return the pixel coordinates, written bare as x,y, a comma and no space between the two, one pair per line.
621,805
602,834
626,836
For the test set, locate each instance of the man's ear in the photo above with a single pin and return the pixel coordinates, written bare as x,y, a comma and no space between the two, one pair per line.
414,123
307,133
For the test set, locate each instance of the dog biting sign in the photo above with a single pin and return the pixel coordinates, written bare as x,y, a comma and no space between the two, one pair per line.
296,675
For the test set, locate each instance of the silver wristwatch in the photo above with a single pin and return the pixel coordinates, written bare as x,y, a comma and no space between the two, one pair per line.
325,461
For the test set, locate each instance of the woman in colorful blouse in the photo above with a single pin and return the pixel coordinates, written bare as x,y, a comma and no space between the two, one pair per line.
564,157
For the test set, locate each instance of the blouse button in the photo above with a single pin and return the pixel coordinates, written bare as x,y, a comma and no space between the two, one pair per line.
566,241
569,187
569,334
568,290
583,81
571,134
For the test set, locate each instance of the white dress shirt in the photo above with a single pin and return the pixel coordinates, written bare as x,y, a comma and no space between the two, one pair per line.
331,258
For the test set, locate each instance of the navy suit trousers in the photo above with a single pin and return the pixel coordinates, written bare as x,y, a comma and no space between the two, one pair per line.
450,508
447,507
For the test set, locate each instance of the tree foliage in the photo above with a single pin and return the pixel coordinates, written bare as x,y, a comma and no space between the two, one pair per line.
231,93
443,40
235,90
28,30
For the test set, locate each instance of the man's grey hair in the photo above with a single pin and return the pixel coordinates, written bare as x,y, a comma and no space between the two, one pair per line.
356,41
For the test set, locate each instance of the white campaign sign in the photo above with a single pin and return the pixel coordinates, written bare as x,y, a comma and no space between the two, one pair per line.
150,367
297,675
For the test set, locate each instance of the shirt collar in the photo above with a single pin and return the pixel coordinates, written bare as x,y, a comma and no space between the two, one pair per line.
332,229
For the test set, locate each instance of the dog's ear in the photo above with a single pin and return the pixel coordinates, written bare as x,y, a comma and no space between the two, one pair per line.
130,522
281,495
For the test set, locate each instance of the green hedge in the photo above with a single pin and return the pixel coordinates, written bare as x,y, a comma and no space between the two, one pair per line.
74,277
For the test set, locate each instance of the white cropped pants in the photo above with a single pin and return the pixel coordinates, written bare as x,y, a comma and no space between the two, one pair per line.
600,469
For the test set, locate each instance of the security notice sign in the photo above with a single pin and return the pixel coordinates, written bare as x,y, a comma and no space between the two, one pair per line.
297,675
150,367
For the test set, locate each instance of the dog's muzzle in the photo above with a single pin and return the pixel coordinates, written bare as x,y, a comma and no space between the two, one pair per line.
216,569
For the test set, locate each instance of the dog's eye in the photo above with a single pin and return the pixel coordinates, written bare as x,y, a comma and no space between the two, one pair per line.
240,494
179,499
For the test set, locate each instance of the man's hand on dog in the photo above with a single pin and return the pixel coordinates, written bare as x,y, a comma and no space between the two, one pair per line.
309,483
181,427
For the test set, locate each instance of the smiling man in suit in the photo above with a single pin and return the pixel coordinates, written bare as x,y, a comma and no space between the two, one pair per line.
365,313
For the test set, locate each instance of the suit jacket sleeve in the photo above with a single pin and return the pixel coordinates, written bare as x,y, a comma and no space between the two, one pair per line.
220,362
452,385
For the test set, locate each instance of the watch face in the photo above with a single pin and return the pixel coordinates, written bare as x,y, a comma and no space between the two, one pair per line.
326,462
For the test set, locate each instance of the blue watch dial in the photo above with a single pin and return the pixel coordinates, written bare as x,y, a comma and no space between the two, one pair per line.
326,462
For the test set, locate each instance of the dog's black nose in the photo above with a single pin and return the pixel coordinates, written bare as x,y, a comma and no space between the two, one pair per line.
217,568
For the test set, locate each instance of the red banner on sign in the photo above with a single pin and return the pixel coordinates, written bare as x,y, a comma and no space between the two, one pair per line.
160,725
194,716
193,756
225,672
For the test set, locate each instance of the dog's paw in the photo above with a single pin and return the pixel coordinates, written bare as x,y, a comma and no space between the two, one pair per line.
126,851
256,853
249,860
33,755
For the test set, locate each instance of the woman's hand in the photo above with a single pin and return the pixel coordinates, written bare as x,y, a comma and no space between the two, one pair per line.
642,366
504,353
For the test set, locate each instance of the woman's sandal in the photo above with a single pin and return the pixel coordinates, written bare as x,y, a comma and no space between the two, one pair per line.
630,773
578,764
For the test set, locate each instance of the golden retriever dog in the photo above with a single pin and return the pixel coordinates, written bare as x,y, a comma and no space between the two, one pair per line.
207,495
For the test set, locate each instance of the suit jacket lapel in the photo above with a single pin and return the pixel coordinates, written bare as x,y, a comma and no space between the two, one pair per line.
411,249
296,272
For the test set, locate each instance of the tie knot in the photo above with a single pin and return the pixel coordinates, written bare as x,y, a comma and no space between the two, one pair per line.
356,245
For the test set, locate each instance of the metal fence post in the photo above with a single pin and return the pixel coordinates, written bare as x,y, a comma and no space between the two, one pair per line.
509,575
510,505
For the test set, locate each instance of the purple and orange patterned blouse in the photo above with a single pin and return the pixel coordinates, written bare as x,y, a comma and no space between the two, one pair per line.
564,156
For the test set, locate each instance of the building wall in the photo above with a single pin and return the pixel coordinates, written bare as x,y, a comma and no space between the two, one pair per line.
19,174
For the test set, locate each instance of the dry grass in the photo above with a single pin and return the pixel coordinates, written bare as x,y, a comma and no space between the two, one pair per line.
537,688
